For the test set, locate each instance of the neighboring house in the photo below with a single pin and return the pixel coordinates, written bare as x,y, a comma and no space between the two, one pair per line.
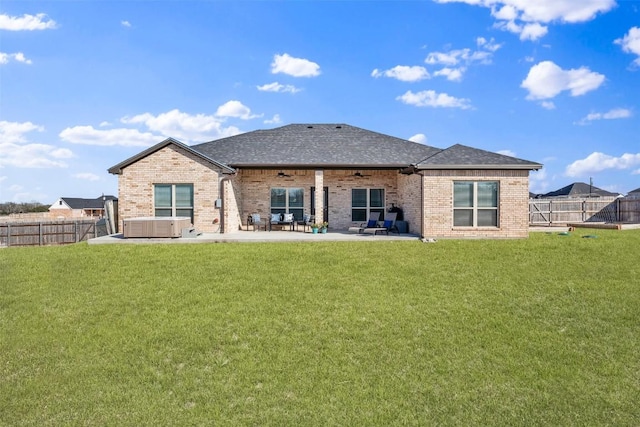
580,190
634,194
337,172
74,207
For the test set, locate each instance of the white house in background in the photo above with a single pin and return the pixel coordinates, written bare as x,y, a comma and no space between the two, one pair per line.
75,207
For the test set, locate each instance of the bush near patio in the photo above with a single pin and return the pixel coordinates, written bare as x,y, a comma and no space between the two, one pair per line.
543,331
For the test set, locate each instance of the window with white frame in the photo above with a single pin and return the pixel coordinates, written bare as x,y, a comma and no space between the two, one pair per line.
475,203
288,200
173,200
364,201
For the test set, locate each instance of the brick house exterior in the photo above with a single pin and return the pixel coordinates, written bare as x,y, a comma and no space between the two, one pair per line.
459,192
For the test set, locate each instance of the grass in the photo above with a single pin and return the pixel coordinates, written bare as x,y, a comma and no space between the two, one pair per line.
543,331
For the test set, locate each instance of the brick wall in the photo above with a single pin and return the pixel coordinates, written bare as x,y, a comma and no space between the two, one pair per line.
255,190
513,203
170,165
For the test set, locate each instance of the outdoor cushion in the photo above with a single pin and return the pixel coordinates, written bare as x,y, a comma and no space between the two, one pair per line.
387,223
275,217
288,217
372,223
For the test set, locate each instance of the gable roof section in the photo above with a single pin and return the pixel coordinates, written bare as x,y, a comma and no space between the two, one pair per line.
117,169
462,157
579,189
81,203
310,145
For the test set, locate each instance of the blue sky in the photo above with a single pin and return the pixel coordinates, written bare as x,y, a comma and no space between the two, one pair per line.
87,84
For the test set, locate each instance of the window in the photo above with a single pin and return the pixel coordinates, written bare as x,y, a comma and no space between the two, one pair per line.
173,200
364,201
475,204
288,200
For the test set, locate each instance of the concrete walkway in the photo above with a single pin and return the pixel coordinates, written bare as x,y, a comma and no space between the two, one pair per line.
258,236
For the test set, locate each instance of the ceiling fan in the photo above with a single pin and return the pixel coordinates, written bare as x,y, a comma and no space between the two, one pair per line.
359,174
281,174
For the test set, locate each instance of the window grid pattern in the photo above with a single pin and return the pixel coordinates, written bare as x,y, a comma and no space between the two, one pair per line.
475,204
364,201
288,200
173,200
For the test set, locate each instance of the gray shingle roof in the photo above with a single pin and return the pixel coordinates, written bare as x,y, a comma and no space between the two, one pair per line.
307,145
463,157
579,189
80,203
333,146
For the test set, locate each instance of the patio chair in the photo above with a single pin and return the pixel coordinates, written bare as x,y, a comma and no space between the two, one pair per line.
257,222
305,222
372,222
389,224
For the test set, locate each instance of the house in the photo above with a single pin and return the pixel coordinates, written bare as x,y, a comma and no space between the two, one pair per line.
75,207
634,194
580,190
337,172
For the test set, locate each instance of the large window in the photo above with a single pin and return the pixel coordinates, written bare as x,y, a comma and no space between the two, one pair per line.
173,200
475,204
288,200
364,201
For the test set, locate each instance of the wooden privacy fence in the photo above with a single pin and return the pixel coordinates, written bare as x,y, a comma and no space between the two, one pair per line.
46,232
567,211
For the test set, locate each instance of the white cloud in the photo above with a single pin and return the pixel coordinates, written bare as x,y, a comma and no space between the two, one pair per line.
86,176
420,138
546,80
616,113
273,121
548,105
125,24
596,162
506,153
296,67
429,98
13,132
457,61
29,156
235,109
88,135
403,73
277,87
631,43
18,57
154,128
538,181
525,17
452,74
26,22
3,178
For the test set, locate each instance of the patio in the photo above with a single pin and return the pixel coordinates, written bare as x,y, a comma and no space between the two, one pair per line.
256,236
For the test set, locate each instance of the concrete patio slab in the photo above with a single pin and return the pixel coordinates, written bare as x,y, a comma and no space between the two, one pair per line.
255,236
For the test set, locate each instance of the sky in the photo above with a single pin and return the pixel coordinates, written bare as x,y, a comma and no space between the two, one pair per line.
87,84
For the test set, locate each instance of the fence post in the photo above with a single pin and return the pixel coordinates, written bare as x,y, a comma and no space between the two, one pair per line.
8,234
40,233
75,229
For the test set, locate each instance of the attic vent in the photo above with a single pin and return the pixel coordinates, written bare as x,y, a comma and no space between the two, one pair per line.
338,127
309,127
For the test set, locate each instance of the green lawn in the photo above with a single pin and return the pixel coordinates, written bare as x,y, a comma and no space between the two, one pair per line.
544,331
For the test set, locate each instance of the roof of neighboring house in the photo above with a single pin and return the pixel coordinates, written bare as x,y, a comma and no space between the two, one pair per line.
327,145
333,146
637,190
580,189
463,157
80,203
117,169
